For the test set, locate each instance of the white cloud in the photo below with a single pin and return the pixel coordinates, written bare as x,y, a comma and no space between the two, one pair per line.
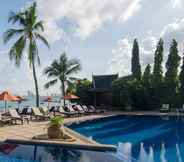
173,30
53,32
88,16
121,54
121,57
177,3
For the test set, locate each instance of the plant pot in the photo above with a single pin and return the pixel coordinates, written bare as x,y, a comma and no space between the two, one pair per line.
54,131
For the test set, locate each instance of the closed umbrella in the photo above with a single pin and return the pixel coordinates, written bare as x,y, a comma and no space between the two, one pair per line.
6,96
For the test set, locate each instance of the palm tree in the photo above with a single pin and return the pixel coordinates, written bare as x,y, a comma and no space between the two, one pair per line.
27,35
62,70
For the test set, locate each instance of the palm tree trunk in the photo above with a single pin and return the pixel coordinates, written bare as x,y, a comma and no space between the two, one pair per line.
36,85
63,92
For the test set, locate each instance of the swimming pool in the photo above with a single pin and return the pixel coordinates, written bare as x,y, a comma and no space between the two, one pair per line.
143,138
34,153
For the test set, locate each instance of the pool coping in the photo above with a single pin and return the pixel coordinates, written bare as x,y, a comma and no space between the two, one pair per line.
88,144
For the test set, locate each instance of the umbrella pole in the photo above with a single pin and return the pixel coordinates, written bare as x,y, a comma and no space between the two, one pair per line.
5,103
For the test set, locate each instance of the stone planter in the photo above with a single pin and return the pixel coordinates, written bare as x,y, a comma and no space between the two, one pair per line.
55,132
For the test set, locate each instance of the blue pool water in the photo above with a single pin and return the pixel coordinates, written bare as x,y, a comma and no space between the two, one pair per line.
31,153
142,138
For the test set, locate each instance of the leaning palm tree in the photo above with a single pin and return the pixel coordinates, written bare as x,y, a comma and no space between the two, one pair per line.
26,36
62,70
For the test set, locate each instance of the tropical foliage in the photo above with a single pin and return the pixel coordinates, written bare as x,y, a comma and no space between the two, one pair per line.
61,70
82,90
56,121
150,90
26,35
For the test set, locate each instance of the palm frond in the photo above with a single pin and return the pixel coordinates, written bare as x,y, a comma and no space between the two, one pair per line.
17,17
74,69
10,33
42,39
16,51
50,83
39,26
50,72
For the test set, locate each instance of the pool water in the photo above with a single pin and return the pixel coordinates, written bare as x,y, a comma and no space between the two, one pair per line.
31,153
142,138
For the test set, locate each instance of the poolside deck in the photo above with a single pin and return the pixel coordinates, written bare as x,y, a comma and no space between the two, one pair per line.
27,131
24,133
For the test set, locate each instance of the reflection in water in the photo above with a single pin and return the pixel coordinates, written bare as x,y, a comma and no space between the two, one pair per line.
142,155
125,150
162,153
151,155
178,153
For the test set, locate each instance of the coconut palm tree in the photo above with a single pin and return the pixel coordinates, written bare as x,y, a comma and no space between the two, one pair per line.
26,36
62,70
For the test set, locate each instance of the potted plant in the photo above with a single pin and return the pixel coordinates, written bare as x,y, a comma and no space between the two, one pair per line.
56,128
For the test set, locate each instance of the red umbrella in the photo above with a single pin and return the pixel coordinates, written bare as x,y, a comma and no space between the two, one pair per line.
6,96
70,97
20,98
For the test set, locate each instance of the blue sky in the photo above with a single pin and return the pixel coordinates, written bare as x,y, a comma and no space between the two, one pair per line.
99,33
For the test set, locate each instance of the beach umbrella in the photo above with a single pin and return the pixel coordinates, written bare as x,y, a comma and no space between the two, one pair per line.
71,97
6,96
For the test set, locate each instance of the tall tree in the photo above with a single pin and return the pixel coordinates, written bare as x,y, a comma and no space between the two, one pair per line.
181,78
172,65
146,78
26,36
157,69
136,67
62,70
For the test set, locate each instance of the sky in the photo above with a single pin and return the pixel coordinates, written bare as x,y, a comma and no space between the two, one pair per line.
99,33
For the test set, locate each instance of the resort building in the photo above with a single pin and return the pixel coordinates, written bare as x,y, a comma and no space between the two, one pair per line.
101,90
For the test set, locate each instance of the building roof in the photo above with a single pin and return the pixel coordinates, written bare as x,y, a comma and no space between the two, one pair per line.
103,82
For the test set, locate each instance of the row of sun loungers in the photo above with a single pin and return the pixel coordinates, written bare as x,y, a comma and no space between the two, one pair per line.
43,113
166,108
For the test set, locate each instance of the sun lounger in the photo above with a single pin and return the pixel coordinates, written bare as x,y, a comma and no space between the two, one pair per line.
165,108
87,110
16,117
181,110
38,115
92,108
5,119
63,112
44,110
24,111
80,109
